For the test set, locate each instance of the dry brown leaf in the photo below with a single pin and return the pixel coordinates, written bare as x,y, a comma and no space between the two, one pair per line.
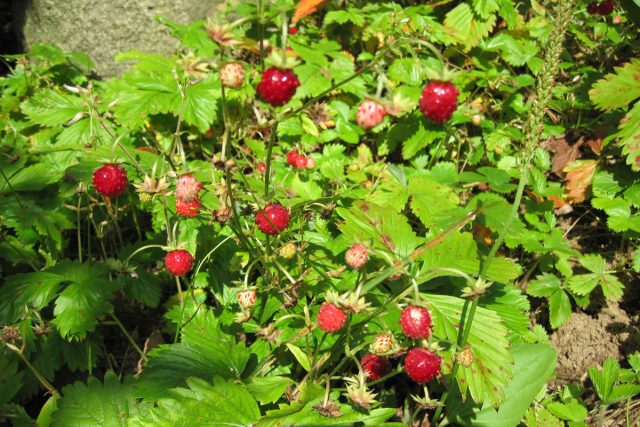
563,153
306,8
579,177
596,145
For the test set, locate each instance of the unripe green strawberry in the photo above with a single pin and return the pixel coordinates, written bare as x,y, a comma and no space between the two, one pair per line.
382,344
232,75
465,357
288,251
247,298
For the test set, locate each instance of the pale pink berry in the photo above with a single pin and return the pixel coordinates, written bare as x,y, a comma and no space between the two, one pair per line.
247,298
310,163
356,256
232,75
370,114
188,188
382,344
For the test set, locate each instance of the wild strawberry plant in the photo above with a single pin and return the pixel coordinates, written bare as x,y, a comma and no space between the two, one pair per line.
314,215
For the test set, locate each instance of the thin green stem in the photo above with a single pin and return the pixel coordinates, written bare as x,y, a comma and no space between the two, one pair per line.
176,143
45,383
79,228
129,337
261,32
602,415
15,195
267,172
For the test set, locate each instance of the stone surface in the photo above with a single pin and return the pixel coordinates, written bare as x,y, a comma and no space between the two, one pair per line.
104,28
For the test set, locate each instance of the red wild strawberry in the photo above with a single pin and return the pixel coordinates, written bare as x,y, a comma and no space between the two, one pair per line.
261,167
188,188
301,162
247,298
232,75
592,9
188,209
291,157
439,100
382,343
370,114
331,318
293,30
278,219
277,86
178,262
606,7
311,163
110,180
374,366
415,322
356,256
421,365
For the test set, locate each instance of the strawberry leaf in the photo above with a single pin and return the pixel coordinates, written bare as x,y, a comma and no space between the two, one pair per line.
96,404
205,350
487,377
219,403
618,90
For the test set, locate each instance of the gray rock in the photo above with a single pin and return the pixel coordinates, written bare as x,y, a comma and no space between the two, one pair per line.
103,28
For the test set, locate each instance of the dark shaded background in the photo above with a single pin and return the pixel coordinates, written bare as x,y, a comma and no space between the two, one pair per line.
9,41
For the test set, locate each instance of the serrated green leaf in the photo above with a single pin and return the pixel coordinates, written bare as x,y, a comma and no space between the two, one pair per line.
485,8
430,201
31,178
488,375
79,306
629,134
51,107
467,26
205,351
96,404
222,403
544,285
343,16
559,308
268,389
199,105
301,413
604,380
618,90
623,392
534,365
10,377
459,251
383,227
193,36
407,70
569,411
